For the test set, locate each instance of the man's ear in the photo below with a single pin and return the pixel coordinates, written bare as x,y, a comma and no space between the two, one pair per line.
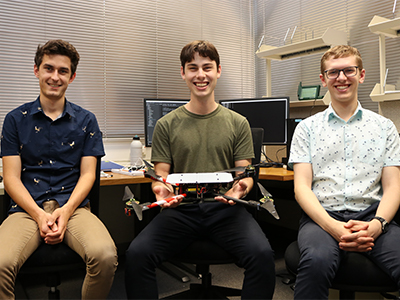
183,73
72,77
219,71
322,77
362,76
36,71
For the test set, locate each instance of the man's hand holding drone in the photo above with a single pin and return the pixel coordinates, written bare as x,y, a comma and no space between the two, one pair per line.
239,190
199,184
162,192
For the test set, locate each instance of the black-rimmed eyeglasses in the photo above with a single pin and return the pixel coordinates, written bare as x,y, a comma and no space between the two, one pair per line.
348,72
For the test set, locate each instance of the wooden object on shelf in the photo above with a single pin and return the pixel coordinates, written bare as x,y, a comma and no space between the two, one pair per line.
384,28
331,37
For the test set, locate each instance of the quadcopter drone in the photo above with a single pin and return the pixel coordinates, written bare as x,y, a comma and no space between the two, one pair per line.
198,186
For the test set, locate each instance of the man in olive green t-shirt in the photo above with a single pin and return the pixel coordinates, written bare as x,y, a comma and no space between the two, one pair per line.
201,136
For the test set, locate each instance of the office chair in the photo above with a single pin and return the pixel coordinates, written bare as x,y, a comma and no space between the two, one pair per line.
205,252
52,260
357,273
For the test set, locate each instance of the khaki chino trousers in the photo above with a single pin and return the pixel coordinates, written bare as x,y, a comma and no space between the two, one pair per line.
85,234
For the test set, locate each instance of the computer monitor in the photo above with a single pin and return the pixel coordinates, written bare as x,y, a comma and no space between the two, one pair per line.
154,109
270,113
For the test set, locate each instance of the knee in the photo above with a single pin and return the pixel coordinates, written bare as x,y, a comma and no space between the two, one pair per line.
317,261
7,267
103,259
260,255
264,252
314,255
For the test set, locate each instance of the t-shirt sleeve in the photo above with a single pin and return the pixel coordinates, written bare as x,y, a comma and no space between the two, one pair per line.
160,149
244,147
300,147
9,137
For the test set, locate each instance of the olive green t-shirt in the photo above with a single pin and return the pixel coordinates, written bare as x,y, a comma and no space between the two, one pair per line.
201,143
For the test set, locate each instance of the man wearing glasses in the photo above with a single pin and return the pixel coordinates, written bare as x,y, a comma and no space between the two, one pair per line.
347,180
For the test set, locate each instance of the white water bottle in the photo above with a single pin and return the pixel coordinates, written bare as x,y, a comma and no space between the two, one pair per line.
136,152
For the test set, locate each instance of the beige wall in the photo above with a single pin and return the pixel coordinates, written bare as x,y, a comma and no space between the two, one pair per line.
391,110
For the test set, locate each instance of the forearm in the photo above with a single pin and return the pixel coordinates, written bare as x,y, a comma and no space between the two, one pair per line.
249,182
309,202
387,208
84,184
80,192
313,208
390,201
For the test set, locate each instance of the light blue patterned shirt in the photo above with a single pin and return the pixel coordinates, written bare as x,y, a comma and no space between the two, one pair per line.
347,157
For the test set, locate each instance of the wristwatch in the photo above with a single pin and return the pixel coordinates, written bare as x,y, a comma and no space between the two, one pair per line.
384,223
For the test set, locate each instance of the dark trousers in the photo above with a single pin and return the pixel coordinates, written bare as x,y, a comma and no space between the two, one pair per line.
171,231
321,255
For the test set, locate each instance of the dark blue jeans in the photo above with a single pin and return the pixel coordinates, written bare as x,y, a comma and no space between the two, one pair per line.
171,231
321,255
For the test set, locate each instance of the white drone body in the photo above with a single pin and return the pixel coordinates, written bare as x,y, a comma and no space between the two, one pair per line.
199,178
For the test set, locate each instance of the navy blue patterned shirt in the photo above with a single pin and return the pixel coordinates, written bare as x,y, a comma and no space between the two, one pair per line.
50,151
347,157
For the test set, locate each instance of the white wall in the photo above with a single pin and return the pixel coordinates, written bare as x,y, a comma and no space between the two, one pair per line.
117,150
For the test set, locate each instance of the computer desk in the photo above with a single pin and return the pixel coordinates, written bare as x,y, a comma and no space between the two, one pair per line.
278,174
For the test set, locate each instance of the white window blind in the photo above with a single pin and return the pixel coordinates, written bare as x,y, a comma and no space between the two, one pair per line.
129,50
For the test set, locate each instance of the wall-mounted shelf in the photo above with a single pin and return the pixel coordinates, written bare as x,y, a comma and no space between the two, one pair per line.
390,93
384,28
317,45
387,27
331,37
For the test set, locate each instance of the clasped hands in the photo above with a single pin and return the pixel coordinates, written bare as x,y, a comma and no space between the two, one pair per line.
357,236
52,226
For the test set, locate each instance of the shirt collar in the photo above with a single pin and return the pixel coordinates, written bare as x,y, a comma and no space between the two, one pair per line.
37,107
331,114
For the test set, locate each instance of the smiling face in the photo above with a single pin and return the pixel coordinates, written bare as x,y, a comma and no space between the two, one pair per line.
343,89
201,76
54,74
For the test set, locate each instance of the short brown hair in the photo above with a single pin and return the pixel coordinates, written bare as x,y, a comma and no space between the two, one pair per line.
203,48
58,47
341,51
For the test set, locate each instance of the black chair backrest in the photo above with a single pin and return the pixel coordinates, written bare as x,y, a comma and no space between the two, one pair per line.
94,195
258,134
